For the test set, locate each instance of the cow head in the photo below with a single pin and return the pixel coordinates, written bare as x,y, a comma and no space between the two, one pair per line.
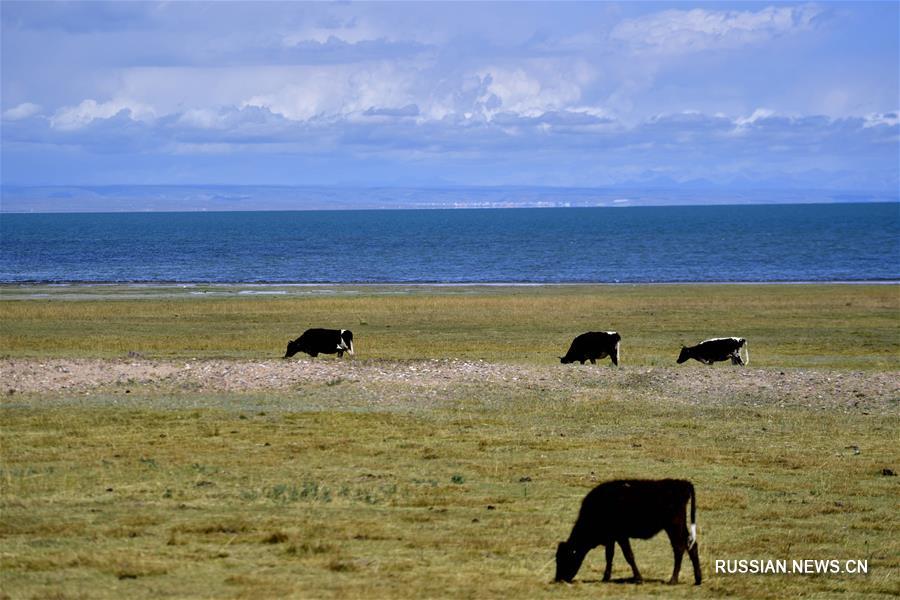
566,360
293,347
685,354
347,339
568,560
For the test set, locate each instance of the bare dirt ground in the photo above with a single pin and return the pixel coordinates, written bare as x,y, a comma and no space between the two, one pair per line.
877,392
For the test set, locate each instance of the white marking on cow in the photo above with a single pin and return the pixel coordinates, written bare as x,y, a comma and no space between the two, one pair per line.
692,538
618,355
720,339
746,348
343,345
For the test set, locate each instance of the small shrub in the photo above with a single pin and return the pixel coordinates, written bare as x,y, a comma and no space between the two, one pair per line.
342,566
308,548
278,537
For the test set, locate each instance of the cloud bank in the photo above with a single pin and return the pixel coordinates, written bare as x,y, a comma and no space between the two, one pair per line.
558,94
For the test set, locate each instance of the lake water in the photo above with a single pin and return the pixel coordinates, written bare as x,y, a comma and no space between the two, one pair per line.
761,243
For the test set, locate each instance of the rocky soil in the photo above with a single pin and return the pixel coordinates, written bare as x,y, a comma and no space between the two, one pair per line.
877,392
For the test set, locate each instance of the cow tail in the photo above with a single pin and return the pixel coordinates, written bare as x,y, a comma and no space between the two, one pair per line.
747,350
692,536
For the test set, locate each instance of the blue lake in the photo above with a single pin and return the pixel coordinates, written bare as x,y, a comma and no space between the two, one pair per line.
760,243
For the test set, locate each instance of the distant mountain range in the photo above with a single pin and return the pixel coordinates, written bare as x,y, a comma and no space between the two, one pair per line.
180,198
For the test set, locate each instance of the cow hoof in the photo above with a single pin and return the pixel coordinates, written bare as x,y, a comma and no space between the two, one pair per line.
637,580
672,582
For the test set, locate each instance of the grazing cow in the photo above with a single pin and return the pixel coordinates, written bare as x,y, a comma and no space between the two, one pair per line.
593,345
636,508
322,341
717,349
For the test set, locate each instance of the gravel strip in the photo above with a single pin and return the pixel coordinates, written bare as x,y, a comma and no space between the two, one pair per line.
820,388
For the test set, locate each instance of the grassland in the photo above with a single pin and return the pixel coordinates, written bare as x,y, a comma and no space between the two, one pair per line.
788,326
363,479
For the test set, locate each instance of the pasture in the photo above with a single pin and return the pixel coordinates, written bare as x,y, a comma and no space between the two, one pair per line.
450,456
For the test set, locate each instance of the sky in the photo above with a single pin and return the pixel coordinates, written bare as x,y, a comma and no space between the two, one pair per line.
725,95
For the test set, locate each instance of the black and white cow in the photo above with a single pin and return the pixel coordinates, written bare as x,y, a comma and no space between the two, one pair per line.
717,349
615,511
322,341
593,345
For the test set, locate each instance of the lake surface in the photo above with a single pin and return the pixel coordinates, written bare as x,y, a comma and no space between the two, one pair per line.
761,243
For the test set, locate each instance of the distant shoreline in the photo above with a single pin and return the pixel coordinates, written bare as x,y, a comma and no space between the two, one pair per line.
614,204
228,284
431,283
211,198
105,290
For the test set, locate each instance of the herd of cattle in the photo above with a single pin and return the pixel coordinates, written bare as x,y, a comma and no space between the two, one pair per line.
591,346
614,511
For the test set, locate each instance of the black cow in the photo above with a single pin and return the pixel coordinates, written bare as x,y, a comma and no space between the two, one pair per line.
322,341
615,511
715,350
593,345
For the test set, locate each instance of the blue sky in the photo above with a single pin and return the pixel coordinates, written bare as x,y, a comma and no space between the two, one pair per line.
739,95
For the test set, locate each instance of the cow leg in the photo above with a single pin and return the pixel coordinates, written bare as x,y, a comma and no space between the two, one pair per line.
736,359
694,553
593,361
678,538
340,353
582,361
610,551
314,354
629,556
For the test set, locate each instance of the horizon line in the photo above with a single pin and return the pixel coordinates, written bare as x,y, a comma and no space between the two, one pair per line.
623,205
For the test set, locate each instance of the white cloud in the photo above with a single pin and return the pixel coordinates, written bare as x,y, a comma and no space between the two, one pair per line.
349,32
22,111
682,31
201,118
349,92
75,117
875,119
535,88
337,91
759,113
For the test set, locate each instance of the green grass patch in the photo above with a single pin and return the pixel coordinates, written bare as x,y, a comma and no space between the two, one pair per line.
463,501
843,326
